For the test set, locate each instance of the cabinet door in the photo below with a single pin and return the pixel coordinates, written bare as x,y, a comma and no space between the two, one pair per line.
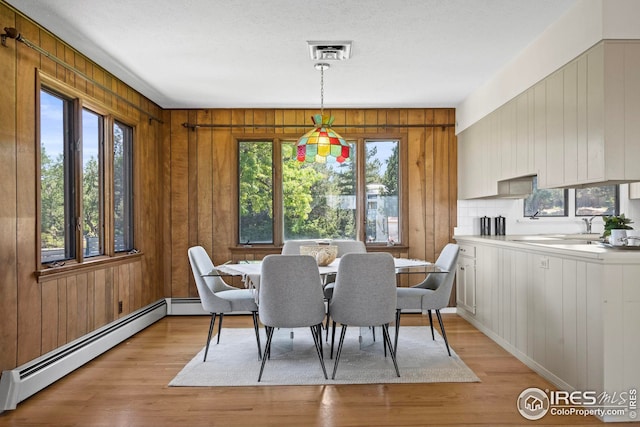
466,284
522,136
508,150
540,132
555,130
634,190
595,114
570,110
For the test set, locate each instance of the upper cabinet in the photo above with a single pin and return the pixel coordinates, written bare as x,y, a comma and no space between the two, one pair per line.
577,127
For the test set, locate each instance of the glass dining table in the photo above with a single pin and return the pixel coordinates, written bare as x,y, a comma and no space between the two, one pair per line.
250,272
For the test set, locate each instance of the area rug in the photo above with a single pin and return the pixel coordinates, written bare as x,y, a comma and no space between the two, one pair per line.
294,361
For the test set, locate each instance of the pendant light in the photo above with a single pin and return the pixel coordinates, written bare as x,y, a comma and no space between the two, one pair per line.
322,144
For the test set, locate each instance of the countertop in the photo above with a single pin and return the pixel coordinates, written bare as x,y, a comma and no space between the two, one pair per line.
578,245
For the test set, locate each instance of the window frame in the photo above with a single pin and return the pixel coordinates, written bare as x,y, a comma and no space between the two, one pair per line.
537,215
616,208
359,140
81,101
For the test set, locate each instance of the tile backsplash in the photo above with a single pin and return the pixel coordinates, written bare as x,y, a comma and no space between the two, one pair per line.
470,212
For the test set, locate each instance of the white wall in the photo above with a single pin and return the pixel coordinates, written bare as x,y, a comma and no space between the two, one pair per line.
470,212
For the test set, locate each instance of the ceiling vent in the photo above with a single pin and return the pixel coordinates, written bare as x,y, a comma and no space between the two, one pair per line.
329,51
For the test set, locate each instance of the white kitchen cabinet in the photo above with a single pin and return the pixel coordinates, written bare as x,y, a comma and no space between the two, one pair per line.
524,150
634,190
507,147
539,93
571,316
553,168
466,279
581,127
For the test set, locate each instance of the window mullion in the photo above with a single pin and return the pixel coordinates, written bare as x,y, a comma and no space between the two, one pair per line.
278,200
76,183
361,191
106,193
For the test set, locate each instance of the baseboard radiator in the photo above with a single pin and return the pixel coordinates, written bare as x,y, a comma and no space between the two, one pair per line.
184,307
24,381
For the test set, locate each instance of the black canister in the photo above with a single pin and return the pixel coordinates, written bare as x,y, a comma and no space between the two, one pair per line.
500,226
485,226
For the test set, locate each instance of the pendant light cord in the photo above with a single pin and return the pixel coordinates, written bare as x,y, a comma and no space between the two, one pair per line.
322,90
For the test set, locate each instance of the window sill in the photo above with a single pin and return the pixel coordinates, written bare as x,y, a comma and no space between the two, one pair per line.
72,267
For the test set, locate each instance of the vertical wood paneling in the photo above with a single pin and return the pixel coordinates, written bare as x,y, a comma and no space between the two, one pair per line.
193,195
100,299
81,303
442,221
29,299
416,185
8,195
179,204
38,317
110,295
224,167
204,183
49,316
431,173
72,308
61,285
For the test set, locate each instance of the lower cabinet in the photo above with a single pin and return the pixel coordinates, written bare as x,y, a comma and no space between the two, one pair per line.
571,319
466,279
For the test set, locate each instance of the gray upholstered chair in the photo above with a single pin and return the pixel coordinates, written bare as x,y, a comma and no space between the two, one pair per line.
364,296
433,293
344,247
217,297
290,296
292,247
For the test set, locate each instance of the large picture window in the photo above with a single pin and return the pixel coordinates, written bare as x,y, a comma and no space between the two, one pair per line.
85,168
282,199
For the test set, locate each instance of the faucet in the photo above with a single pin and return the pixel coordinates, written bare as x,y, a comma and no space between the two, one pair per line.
587,222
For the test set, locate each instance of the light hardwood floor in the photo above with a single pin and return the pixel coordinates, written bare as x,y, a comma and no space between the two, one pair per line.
127,386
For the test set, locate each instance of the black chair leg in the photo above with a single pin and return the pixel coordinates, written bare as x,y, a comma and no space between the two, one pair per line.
220,327
444,334
211,325
266,350
385,334
398,313
333,338
316,332
431,323
327,322
342,335
257,331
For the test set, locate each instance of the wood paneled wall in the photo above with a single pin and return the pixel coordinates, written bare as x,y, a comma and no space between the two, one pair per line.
38,316
183,188
200,178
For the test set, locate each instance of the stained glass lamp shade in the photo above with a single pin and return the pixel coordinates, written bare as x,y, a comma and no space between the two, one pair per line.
322,144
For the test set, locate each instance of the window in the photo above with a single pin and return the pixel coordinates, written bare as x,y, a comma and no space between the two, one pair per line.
546,202
359,199
123,187
79,179
92,184
319,199
255,199
603,200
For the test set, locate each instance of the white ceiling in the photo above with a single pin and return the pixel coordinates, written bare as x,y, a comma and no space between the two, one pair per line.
252,53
